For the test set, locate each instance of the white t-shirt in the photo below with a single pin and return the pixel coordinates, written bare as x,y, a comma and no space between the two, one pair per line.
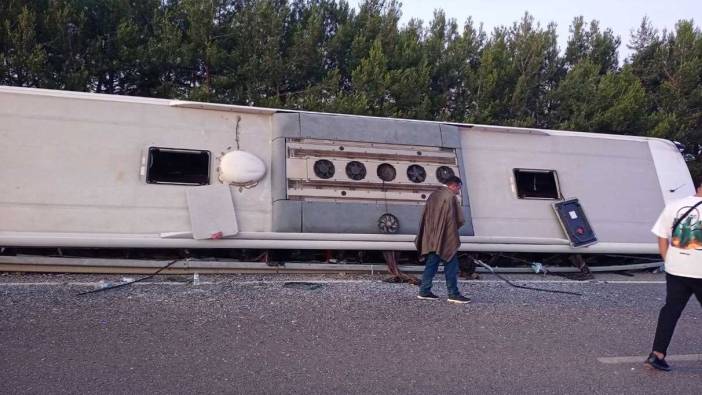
684,257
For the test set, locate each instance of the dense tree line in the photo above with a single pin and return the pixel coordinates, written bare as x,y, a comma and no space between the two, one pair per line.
324,55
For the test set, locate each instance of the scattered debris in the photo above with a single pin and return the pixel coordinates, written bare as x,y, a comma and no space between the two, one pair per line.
538,267
403,280
305,286
397,276
104,284
624,273
578,261
467,266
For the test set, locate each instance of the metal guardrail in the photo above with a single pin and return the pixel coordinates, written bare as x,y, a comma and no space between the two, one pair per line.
30,263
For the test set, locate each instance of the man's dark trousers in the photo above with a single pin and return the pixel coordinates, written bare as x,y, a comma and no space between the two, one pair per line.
450,271
678,292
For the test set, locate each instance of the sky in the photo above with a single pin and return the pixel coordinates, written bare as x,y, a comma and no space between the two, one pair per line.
622,16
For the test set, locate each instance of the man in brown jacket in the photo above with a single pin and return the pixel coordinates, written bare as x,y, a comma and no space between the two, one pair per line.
438,240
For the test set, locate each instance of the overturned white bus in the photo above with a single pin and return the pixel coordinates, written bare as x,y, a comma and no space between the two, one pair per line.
81,170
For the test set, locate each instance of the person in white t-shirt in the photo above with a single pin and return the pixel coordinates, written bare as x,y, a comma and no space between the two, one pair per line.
679,231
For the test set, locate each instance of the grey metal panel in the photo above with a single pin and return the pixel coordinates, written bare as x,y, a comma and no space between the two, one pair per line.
450,136
467,229
279,184
211,211
374,130
287,216
343,217
332,217
285,124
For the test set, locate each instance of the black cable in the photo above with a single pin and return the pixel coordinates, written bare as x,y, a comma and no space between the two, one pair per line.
130,282
485,265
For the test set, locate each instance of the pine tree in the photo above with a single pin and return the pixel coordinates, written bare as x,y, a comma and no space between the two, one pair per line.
23,57
535,66
589,43
496,79
370,82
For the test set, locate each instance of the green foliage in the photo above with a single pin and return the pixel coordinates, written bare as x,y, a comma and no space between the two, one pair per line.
599,48
590,102
322,55
23,57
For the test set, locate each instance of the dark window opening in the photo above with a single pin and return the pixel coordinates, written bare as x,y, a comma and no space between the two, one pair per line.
537,184
178,166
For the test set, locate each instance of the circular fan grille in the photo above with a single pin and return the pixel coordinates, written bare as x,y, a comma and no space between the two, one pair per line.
416,173
443,173
356,170
388,223
386,172
324,169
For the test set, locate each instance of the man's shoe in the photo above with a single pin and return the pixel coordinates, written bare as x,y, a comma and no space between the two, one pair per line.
427,296
657,363
458,299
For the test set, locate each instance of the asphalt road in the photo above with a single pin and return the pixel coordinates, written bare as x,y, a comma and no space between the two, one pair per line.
251,334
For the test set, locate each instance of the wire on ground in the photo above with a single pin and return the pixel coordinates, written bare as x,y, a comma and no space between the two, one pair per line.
131,282
485,265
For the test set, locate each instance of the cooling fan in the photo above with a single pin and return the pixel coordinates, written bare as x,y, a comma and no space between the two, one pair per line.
356,170
443,173
324,169
416,173
388,223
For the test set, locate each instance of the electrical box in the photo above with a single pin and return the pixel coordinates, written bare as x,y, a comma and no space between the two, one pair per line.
574,222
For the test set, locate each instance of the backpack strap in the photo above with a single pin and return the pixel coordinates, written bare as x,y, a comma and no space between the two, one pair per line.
682,217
